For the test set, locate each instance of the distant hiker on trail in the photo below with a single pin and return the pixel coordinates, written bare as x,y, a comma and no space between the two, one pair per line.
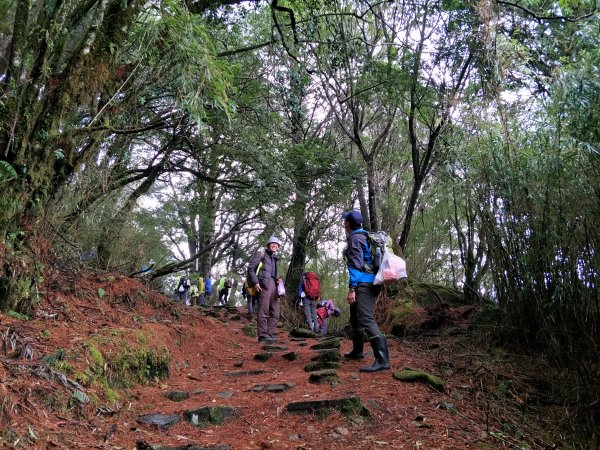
201,291
147,268
183,290
265,282
362,294
325,309
309,292
207,289
194,294
224,285
251,300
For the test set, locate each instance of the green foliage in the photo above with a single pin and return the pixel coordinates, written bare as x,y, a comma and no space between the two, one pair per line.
58,360
202,80
7,172
16,315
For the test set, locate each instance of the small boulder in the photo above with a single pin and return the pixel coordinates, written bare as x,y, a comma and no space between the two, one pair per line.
291,356
302,333
177,396
321,365
210,415
264,356
323,376
327,355
160,420
327,344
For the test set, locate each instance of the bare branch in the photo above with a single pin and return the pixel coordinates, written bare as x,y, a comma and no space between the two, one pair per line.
542,18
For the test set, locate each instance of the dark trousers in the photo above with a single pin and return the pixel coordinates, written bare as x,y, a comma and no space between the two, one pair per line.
268,310
362,311
223,294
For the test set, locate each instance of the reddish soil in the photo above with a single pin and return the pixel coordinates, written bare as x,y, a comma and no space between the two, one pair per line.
203,349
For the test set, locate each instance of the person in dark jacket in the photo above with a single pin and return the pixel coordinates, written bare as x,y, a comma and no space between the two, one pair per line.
265,283
362,294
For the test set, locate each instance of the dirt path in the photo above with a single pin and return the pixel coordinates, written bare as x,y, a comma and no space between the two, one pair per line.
207,355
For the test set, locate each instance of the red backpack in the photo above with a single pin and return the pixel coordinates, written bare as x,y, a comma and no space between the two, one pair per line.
312,286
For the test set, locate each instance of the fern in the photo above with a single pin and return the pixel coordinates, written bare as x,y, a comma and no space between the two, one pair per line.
7,172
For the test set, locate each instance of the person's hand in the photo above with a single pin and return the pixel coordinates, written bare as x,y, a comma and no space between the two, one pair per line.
351,297
257,287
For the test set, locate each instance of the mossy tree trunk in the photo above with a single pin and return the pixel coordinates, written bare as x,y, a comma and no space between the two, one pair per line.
59,58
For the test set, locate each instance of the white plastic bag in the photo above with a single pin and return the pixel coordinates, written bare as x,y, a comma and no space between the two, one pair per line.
280,288
392,268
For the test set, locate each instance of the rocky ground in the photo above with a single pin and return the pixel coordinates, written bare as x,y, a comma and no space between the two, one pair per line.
105,363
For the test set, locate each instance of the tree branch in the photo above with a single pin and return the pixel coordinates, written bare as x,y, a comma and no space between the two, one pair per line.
174,267
542,18
245,49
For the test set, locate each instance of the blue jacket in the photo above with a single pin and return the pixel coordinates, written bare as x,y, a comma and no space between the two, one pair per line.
358,253
208,286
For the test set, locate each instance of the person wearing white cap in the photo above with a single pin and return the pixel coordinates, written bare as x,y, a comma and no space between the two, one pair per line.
262,274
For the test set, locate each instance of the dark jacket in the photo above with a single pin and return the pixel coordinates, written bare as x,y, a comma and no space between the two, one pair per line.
357,254
267,270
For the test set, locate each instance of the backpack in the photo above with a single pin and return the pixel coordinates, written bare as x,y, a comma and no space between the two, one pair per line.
311,285
250,289
377,241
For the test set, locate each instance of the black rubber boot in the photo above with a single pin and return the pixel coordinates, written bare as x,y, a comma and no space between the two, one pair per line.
382,356
357,347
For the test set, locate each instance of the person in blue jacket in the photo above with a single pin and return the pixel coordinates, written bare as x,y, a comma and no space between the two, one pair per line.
207,288
362,294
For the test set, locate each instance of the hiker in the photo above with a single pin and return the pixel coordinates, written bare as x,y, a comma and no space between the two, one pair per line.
224,285
309,292
201,292
265,263
194,294
251,300
362,294
183,290
325,309
207,289
147,268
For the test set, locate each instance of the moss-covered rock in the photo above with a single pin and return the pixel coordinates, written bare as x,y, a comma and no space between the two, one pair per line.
264,356
291,356
323,376
327,355
249,330
143,359
350,406
321,365
328,344
410,375
302,333
177,396
210,415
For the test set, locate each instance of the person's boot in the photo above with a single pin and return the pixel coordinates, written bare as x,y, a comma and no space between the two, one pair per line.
357,347
382,357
